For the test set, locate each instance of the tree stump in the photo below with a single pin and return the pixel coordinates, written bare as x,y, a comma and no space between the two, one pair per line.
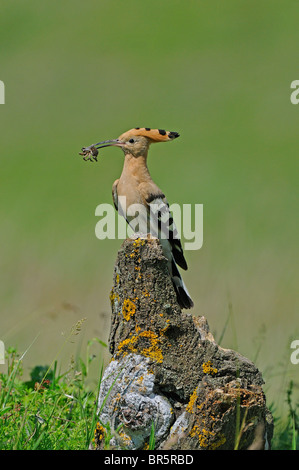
167,375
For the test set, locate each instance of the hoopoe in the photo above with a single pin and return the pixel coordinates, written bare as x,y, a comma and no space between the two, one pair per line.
136,187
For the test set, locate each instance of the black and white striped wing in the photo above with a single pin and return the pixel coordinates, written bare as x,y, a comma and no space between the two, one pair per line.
163,227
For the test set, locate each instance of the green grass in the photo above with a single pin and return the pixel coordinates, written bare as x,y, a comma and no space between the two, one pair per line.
52,410
286,428
57,411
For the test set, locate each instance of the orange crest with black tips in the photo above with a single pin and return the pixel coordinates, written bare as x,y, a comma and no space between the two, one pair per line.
155,135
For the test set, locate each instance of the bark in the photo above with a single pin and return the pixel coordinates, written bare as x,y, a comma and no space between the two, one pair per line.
167,373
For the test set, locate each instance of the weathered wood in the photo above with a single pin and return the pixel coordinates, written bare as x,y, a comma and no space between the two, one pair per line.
167,369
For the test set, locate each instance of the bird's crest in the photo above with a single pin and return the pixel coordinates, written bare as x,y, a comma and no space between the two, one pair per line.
155,135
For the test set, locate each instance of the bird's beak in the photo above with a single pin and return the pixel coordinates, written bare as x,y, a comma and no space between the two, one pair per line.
108,143
91,152
105,143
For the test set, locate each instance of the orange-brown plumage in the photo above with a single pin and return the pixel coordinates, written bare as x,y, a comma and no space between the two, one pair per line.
155,135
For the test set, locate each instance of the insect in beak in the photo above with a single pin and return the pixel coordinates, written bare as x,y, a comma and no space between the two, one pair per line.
91,153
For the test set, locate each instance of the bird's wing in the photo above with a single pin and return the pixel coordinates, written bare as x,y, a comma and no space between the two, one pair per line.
161,218
114,194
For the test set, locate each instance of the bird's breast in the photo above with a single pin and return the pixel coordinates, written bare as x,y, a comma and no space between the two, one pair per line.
127,193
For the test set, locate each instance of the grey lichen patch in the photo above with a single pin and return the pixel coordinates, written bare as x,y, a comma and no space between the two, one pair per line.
128,397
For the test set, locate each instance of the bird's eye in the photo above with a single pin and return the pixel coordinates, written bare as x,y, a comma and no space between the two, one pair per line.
131,141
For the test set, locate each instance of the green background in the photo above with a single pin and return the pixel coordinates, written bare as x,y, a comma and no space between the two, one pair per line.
219,73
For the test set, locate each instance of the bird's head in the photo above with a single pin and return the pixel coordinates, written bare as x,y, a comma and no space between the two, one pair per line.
134,142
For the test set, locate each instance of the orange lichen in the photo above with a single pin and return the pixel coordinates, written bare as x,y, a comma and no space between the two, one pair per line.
99,432
208,368
146,293
126,440
128,344
113,296
128,309
138,242
205,436
134,344
202,434
205,425
153,351
192,400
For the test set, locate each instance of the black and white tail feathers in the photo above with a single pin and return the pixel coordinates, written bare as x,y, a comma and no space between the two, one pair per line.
183,297
171,246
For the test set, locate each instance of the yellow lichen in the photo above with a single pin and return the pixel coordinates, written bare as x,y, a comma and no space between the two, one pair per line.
128,344
138,242
202,434
204,425
128,309
126,440
205,436
208,368
116,401
134,344
99,432
113,296
153,351
192,400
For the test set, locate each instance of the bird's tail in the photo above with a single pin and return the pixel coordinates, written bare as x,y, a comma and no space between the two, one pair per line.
183,297
170,251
